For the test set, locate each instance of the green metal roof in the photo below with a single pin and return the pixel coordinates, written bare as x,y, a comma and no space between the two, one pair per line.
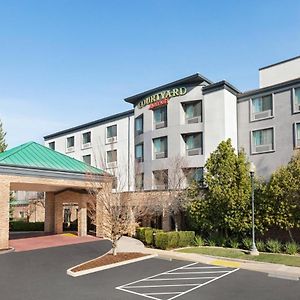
37,156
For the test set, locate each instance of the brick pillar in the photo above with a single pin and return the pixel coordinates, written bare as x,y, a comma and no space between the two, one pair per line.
4,214
166,221
58,216
49,212
99,219
82,218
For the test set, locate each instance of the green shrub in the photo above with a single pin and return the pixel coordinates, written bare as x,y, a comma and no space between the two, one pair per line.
220,241
291,248
211,242
261,246
140,234
233,243
26,226
273,246
199,241
186,238
161,240
148,236
173,239
247,243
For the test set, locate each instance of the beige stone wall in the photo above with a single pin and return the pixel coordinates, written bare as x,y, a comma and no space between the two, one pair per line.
4,214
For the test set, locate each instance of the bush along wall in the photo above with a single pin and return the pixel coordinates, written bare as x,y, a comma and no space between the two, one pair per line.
165,240
25,226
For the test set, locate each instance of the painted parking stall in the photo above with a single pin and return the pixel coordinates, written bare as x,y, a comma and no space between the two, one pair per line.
177,282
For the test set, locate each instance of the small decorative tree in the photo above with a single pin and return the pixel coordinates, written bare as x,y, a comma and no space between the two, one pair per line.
3,145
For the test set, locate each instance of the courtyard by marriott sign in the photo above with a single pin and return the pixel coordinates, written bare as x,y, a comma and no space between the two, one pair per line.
161,97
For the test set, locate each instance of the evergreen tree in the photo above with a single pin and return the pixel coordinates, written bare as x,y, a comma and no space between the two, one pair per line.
284,195
3,144
226,207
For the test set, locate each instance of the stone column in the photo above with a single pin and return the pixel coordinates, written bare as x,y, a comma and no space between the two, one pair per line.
4,214
82,218
99,219
49,212
166,221
58,216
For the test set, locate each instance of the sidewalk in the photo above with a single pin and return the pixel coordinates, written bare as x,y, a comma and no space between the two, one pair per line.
273,270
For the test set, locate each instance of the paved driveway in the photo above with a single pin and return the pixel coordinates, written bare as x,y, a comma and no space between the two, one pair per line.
41,274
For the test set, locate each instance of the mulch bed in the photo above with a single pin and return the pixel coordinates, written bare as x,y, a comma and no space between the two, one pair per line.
108,259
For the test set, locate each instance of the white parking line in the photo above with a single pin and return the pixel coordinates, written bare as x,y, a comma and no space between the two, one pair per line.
153,291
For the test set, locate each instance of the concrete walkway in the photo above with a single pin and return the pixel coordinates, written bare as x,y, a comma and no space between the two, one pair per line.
48,241
273,270
128,244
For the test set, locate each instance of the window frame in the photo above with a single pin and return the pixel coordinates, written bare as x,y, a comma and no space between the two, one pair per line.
293,100
252,119
252,140
165,152
140,117
52,143
185,136
70,148
88,144
111,139
161,124
87,155
135,156
112,163
296,145
193,102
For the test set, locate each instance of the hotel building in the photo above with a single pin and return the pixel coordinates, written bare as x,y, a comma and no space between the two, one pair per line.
184,121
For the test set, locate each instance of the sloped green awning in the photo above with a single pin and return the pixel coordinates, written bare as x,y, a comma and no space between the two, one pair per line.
35,156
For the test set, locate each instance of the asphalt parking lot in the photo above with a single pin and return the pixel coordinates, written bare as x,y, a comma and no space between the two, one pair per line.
41,274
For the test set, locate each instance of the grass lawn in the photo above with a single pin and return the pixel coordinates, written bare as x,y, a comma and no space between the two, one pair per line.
289,260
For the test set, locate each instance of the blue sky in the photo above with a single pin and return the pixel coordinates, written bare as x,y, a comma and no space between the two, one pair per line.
67,62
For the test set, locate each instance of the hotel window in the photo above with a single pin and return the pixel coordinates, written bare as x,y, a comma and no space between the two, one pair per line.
160,146
111,158
193,144
139,181
52,145
262,140
111,134
70,143
139,125
194,174
297,135
139,152
160,117
296,99
86,140
87,159
261,107
193,112
160,180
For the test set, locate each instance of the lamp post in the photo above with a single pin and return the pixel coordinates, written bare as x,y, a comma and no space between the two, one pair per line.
253,250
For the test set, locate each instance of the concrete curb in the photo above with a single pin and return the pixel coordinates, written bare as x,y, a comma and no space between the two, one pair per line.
97,269
9,250
277,270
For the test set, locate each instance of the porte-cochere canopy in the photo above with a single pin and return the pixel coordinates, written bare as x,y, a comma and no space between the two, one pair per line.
34,167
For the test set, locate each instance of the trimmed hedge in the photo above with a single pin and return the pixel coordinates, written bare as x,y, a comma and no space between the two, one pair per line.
165,240
26,226
186,238
161,240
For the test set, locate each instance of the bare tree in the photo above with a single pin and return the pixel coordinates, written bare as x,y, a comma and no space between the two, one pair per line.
119,211
35,201
176,176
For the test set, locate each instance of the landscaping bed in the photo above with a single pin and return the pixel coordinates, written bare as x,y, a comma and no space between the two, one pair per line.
289,260
108,259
